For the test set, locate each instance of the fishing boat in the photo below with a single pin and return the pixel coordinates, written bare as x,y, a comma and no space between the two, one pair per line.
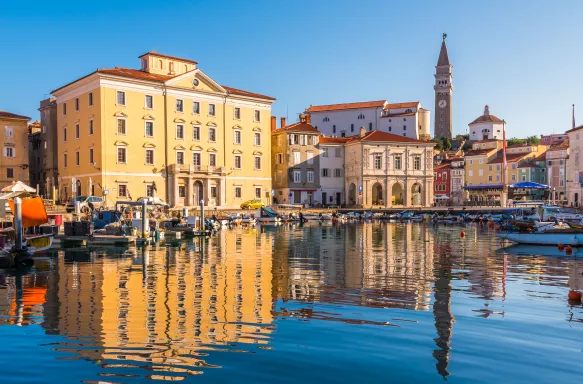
570,237
537,250
266,215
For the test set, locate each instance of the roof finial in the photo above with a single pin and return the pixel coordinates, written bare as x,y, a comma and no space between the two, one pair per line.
486,110
573,116
444,36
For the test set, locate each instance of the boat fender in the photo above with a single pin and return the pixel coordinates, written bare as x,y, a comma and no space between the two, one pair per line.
561,247
568,250
574,295
462,234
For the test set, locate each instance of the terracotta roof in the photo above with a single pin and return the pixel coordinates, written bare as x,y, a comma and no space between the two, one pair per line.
240,92
560,146
339,107
457,158
168,57
385,136
510,158
142,75
478,152
12,116
575,129
486,119
398,114
529,165
333,140
541,157
442,167
485,141
411,104
297,127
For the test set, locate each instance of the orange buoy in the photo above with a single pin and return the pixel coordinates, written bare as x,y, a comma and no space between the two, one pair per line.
462,234
561,247
575,295
568,250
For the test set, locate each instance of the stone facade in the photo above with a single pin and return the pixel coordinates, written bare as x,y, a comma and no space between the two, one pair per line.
44,157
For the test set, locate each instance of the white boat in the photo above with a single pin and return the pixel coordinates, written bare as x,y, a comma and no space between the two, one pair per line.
573,238
267,215
551,212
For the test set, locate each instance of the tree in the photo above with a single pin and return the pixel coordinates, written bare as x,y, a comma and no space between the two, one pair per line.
514,141
439,145
533,140
463,137
446,143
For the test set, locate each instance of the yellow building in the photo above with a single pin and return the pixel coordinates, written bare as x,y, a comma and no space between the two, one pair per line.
14,159
166,129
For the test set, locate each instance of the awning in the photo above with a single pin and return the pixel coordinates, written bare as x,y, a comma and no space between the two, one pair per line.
529,185
441,197
483,186
18,186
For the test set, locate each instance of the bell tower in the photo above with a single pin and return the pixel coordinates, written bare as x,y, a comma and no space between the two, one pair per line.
443,89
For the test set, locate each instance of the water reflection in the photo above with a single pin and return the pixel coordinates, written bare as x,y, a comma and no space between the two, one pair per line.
169,312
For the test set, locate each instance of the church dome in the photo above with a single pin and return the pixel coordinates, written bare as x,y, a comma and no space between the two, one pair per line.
486,117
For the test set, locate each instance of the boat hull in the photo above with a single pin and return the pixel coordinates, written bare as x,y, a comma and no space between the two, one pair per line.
572,239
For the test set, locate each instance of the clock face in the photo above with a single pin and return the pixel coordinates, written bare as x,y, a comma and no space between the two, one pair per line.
442,103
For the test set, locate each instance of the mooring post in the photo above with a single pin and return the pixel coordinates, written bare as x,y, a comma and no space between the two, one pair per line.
202,215
18,223
144,222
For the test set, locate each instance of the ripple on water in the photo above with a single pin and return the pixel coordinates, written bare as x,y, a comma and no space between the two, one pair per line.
320,303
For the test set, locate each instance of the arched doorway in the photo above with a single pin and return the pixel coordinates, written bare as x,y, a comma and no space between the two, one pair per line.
352,194
416,194
377,194
397,194
197,193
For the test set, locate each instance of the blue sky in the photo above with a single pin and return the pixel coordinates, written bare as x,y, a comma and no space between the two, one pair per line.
523,58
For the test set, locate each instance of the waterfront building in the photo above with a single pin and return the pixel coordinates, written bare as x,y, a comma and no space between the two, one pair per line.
14,159
296,161
44,156
166,129
486,127
342,120
556,170
554,138
476,162
332,187
574,167
443,94
387,170
458,180
442,182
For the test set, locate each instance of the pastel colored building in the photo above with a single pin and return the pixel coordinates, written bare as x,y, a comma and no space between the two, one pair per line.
388,170
556,164
332,186
486,127
574,168
14,159
166,129
442,180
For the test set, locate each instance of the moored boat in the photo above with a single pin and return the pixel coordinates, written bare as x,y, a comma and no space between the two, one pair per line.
266,215
570,237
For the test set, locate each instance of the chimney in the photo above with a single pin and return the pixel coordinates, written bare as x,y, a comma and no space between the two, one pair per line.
282,119
305,118
273,123
362,131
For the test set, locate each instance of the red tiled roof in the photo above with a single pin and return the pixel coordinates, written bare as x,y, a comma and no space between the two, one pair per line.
541,157
410,104
333,140
12,116
519,145
442,167
297,127
486,119
398,114
168,57
485,141
142,75
477,152
575,129
510,158
560,146
385,136
338,107
240,92
456,158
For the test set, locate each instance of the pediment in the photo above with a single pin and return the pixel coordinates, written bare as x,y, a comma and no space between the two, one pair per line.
195,122
212,150
120,143
203,82
237,151
179,120
257,129
120,114
180,147
257,153
211,124
149,145
148,117
237,126
196,148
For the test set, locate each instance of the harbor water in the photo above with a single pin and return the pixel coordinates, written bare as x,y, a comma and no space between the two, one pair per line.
360,302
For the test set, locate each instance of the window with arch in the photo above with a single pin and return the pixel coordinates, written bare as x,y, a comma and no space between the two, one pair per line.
333,129
326,119
408,111
361,116
160,64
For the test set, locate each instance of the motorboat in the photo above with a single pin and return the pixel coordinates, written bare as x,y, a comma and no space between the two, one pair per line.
405,215
552,212
537,250
570,237
266,215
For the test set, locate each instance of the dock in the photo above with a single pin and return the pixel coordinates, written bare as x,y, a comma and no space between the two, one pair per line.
95,240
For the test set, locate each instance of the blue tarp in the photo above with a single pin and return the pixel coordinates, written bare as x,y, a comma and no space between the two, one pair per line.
529,185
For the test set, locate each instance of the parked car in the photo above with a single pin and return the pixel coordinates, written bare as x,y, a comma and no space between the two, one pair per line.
84,201
154,201
252,204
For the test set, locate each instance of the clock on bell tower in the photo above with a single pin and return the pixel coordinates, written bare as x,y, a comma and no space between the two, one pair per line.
443,89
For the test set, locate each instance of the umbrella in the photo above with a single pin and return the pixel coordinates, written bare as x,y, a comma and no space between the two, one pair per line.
441,197
18,186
